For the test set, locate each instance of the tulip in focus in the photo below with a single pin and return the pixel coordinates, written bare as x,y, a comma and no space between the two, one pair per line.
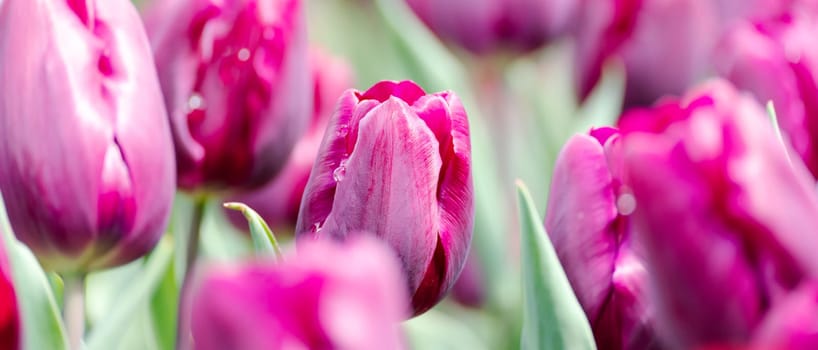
396,161
777,60
328,296
485,26
278,201
588,222
725,220
86,167
237,86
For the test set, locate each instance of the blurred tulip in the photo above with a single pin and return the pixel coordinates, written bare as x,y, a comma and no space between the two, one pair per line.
725,221
85,149
588,222
485,26
9,314
793,324
470,290
278,202
777,60
396,162
237,86
327,296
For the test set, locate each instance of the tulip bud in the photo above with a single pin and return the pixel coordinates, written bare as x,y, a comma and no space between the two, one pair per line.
485,26
278,201
470,288
85,149
792,324
725,220
777,60
237,87
326,297
588,222
9,314
396,162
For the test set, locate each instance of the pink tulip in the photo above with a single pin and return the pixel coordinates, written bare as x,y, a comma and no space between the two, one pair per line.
725,220
9,314
326,297
396,162
86,165
278,202
777,60
793,324
237,86
484,26
588,222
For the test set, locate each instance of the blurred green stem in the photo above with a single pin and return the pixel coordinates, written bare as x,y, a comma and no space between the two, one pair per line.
74,312
192,252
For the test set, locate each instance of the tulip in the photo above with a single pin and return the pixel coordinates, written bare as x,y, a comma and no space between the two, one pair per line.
278,201
470,288
396,162
793,324
237,87
485,26
326,297
588,222
776,60
9,314
724,218
85,148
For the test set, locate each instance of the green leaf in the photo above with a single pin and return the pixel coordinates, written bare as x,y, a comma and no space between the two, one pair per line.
164,310
552,316
108,333
41,322
264,241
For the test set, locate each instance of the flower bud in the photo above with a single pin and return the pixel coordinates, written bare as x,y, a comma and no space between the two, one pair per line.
396,162
776,60
792,324
85,150
326,297
237,87
9,314
725,220
278,201
588,222
484,26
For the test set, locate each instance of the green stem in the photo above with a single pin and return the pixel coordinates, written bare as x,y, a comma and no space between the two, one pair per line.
74,311
191,254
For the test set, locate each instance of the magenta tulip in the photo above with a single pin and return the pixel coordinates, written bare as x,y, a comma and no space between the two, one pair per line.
777,60
484,26
793,324
396,162
327,296
588,222
86,165
278,201
9,314
725,220
237,87
470,288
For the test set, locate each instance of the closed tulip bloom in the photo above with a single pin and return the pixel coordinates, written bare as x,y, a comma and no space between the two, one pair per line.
777,60
725,220
9,314
328,296
396,161
470,288
237,86
486,26
588,222
278,201
86,164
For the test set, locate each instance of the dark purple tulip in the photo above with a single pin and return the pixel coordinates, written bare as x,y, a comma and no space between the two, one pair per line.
484,26
328,296
396,162
86,165
278,201
237,86
777,60
588,222
725,220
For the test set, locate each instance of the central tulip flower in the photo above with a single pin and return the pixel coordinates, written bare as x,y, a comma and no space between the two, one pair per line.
727,222
328,296
86,164
237,86
396,162
588,222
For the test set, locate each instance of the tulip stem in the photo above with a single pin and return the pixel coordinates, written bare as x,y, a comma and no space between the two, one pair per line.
74,312
191,254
